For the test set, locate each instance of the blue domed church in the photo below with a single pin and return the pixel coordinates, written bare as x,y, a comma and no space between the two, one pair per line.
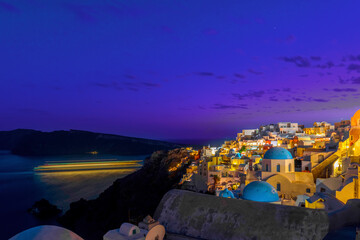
278,170
276,160
260,191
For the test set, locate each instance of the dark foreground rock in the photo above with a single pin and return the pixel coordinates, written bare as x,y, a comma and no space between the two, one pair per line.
43,209
129,199
36,143
203,216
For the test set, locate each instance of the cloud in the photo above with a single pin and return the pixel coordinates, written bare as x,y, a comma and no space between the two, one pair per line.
355,80
303,75
319,100
352,80
132,86
328,64
112,85
354,58
286,89
8,7
315,58
208,74
254,72
251,94
297,60
287,40
351,58
298,99
223,106
345,90
134,89
353,67
239,75
343,81
150,84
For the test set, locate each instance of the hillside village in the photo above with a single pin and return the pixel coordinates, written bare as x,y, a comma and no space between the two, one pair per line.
313,167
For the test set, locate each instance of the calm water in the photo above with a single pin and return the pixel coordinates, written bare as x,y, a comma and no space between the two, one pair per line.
20,187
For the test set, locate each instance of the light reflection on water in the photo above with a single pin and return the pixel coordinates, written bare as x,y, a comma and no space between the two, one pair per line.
62,188
20,187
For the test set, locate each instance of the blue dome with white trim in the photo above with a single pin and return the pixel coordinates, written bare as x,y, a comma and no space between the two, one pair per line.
226,193
260,192
278,153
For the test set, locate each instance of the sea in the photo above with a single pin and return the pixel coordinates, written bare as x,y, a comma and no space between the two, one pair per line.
21,187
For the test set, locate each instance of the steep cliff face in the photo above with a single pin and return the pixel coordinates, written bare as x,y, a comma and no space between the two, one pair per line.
37,143
128,199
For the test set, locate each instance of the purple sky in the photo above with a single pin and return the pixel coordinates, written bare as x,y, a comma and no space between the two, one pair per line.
177,69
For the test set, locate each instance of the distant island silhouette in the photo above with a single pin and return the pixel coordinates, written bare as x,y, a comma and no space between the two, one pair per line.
27,142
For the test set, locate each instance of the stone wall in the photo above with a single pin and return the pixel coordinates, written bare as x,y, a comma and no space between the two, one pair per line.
209,217
349,215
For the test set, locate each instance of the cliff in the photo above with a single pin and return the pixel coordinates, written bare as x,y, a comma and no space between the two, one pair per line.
128,199
36,143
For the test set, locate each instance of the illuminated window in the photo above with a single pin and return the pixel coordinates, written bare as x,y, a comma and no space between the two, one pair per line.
278,187
278,168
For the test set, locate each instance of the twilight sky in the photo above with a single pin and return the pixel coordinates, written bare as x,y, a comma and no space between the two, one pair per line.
177,69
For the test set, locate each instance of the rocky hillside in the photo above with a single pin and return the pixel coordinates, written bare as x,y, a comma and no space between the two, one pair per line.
128,199
36,143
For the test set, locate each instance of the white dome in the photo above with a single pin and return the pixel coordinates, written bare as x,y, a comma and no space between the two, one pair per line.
46,232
